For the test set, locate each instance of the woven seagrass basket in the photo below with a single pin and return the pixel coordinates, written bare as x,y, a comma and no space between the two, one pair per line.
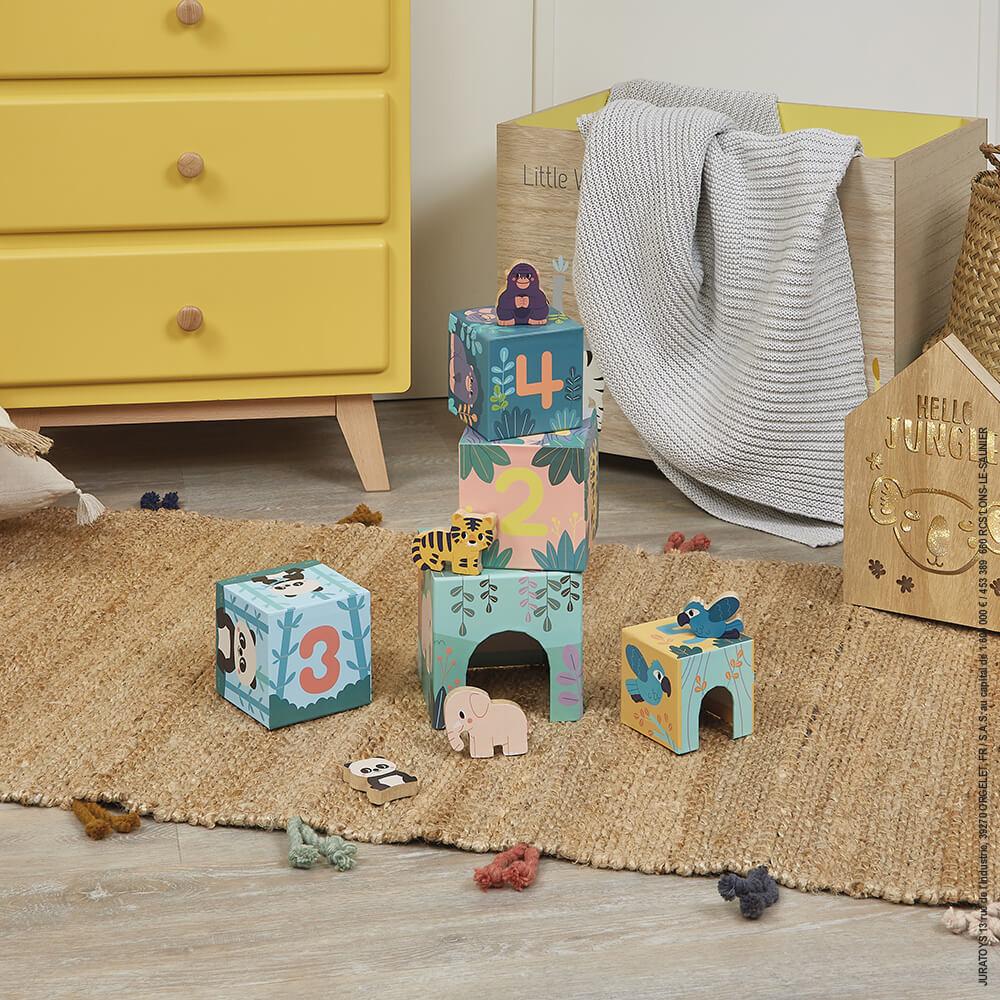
974,316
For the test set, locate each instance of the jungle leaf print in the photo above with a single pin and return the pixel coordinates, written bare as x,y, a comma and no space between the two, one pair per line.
462,607
496,558
437,712
481,458
498,401
563,556
515,423
488,591
503,374
562,462
565,419
569,587
682,651
571,677
470,338
573,386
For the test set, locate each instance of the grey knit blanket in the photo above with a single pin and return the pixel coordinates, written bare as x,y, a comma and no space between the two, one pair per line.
715,285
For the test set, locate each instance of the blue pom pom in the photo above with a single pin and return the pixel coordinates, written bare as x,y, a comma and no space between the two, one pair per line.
756,892
150,500
727,886
171,501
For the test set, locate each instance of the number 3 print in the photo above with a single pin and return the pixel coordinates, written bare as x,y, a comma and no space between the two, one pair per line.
330,638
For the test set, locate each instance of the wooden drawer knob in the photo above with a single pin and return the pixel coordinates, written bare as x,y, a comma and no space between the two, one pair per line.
190,318
190,12
190,164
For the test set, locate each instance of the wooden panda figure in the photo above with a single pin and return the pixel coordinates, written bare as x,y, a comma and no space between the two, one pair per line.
380,779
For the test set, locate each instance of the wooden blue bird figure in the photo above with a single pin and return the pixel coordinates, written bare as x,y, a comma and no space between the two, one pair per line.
713,622
650,684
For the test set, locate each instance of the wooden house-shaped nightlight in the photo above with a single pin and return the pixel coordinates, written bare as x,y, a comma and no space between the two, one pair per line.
922,492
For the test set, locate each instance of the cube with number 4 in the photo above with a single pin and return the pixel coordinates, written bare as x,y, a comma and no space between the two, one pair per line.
293,643
512,381
543,488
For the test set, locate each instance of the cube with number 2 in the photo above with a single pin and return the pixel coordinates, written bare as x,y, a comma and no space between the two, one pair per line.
543,488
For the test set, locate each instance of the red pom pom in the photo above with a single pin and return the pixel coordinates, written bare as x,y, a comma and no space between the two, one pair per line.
674,541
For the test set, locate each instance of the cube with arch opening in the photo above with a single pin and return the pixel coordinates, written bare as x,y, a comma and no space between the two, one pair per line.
461,615
669,675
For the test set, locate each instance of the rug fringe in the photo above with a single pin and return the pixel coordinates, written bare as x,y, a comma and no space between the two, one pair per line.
27,444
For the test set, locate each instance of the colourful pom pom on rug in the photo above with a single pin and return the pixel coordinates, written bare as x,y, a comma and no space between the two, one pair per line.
517,867
756,892
306,847
98,822
363,514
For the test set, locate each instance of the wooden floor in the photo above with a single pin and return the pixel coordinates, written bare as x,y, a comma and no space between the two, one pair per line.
182,911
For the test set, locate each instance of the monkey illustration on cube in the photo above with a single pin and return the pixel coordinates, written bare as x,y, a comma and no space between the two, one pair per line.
463,381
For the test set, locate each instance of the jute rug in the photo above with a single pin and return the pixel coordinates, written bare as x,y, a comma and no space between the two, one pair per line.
860,777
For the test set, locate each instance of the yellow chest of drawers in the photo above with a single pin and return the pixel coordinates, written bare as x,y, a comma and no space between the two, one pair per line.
204,212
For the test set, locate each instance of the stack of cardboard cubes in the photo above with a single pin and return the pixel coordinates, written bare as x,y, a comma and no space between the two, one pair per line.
529,456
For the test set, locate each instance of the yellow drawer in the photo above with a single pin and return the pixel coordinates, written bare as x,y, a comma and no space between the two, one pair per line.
108,312
74,38
90,156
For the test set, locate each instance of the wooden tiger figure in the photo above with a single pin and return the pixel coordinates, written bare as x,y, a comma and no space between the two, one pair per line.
461,545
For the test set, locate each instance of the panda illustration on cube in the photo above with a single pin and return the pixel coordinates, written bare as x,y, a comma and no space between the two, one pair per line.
380,779
237,648
290,583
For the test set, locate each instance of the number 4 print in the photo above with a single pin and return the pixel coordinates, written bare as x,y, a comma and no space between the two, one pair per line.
546,386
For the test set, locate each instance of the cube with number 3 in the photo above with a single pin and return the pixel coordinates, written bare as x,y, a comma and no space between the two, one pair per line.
511,381
293,643
543,488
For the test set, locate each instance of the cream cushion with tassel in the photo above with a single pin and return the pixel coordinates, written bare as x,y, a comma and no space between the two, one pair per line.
28,482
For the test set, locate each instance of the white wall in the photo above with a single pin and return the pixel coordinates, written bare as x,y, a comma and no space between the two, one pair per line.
472,68
906,55
479,62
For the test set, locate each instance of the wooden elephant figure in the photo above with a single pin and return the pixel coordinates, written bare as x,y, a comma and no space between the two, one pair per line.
489,723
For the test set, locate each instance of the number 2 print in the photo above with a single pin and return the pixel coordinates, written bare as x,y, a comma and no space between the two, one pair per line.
516,522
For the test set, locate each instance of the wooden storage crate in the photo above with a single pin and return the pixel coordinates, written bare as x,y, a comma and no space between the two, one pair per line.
904,206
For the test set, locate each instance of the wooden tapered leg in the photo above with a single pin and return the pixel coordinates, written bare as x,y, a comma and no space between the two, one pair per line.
26,419
359,424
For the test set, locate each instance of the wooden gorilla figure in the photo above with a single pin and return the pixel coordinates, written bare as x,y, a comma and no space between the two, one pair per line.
522,302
